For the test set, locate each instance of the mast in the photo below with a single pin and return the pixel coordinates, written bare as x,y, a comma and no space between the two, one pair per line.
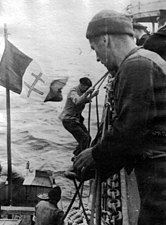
9,158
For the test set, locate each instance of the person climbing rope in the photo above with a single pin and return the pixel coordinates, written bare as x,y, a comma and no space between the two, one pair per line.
71,116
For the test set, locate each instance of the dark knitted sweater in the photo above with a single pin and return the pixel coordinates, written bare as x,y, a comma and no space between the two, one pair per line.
139,128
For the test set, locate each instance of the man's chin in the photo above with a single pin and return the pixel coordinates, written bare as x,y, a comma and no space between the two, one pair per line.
107,66
111,68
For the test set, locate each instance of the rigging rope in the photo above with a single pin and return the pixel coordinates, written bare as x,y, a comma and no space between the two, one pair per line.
97,184
106,202
96,200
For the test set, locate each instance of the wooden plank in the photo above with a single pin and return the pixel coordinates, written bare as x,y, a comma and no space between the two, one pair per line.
17,210
40,178
147,10
147,6
42,181
148,17
10,221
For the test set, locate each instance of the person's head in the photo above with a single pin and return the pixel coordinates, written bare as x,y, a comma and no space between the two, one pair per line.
55,195
107,33
161,21
85,84
157,42
139,30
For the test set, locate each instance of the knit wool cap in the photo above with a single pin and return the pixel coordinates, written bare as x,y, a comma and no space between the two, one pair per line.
86,81
109,22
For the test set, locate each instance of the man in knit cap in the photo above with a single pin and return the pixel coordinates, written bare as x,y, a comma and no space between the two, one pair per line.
137,138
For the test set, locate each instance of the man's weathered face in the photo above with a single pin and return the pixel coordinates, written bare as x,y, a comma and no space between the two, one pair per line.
97,44
103,51
83,88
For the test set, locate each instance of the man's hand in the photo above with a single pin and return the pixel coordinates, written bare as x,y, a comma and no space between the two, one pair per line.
89,91
95,93
84,160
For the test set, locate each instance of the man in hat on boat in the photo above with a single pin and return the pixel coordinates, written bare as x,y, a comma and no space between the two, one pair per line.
137,137
71,116
47,211
157,42
140,33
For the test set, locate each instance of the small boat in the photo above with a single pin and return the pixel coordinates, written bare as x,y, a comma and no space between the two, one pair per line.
24,197
27,193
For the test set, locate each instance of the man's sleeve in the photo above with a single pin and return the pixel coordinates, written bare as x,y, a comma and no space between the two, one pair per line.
78,99
59,218
133,96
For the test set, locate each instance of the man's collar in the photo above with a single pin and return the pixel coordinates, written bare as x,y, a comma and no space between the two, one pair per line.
130,53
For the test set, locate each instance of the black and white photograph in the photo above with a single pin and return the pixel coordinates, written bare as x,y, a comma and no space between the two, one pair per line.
82,112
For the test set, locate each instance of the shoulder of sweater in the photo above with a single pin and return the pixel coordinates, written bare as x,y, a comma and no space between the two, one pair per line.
148,57
146,54
73,89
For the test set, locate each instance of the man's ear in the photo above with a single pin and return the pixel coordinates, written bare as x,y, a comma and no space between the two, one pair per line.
106,39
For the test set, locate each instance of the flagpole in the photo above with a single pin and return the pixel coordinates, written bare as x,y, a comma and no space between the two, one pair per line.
9,158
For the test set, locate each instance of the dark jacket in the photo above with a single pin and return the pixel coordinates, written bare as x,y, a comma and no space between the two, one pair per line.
139,128
142,40
48,214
